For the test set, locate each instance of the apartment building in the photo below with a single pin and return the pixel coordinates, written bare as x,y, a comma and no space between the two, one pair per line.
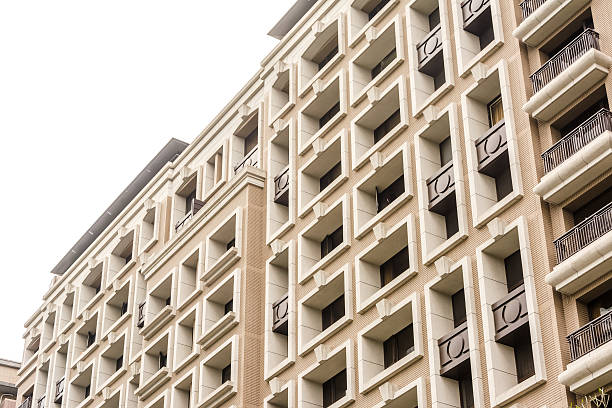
409,205
8,378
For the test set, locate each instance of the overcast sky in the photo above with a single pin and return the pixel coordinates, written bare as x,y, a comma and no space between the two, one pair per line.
89,92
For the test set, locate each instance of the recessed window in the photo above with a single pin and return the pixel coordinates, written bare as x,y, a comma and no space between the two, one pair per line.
389,194
116,307
85,337
384,63
80,387
282,91
364,14
394,266
245,143
219,373
185,346
67,311
184,391
332,312
91,287
48,328
281,186
334,388
398,346
149,228
155,360
122,256
331,241
189,277
214,171
221,307
186,205
111,362
389,124
223,247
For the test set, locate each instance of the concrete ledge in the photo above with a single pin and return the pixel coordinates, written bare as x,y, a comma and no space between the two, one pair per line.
583,267
590,371
577,171
546,19
568,86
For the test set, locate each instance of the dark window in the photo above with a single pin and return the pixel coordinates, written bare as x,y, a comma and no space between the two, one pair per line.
523,356
592,206
168,300
388,125
226,373
586,24
331,241
87,390
332,313
495,111
514,271
91,338
334,388
329,114
128,257
466,393
250,142
119,363
384,63
331,54
189,201
446,151
376,9
434,19
228,307
394,266
124,307
600,306
582,117
398,346
97,288
230,244
451,220
163,360
330,176
459,314
389,194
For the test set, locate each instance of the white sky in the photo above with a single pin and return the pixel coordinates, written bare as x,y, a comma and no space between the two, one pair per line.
90,91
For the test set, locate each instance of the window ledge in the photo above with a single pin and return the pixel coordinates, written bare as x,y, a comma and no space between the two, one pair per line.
185,302
483,54
367,304
121,272
496,209
434,97
379,16
281,112
327,191
344,401
339,250
153,384
68,326
90,303
431,256
152,327
324,335
49,345
115,325
86,353
386,212
359,162
221,265
221,394
589,372
279,368
280,231
307,144
148,245
87,401
357,97
112,379
214,333
389,372
516,391
321,73
181,365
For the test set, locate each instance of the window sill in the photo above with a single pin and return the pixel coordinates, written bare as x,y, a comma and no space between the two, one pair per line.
433,98
379,16
483,54
214,333
516,391
327,191
280,231
87,401
279,368
150,328
359,162
389,372
67,327
307,144
85,353
303,89
357,97
329,258
221,394
192,356
360,232
324,335
115,325
221,265
185,302
121,273
153,383
111,380
367,304
90,303
146,247
480,220
439,251
281,112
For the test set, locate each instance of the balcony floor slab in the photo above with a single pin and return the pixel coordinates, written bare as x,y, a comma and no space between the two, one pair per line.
583,267
590,371
571,84
577,171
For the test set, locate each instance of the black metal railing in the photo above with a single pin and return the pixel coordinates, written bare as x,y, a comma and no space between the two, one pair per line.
577,139
196,205
591,336
141,315
563,59
59,389
430,44
251,159
27,403
529,6
583,234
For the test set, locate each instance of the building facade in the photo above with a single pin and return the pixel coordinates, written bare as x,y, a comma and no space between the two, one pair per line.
409,205
8,378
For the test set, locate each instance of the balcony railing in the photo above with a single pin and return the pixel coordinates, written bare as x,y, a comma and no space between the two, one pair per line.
510,314
529,6
428,49
454,349
563,59
492,150
141,315
196,205
41,402
281,187
583,234
27,403
251,159
577,139
594,334
471,11
440,188
280,315
59,390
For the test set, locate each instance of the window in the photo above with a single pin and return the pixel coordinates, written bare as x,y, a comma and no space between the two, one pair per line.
495,111
87,390
244,142
434,18
189,277
330,176
79,388
219,373
328,51
111,360
281,186
600,305
250,142
221,306
185,349
389,124
228,307
458,304
282,91
364,14
223,247
86,339
116,307
394,267
189,201
389,194
374,7
514,271
226,373
334,388
163,360
121,257
398,346
327,116
332,312
384,63
119,363
91,287
331,241
214,170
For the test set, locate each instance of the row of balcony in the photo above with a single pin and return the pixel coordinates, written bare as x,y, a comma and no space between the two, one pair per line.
40,403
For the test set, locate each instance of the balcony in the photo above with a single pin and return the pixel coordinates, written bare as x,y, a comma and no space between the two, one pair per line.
492,150
141,315
577,159
41,402
567,75
441,189
430,53
27,403
591,356
280,315
510,316
476,15
59,390
251,159
281,188
196,205
584,253
542,18
454,351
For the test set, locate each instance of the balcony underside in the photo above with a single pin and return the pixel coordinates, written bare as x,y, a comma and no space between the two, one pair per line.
584,267
590,371
577,171
547,19
568,86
